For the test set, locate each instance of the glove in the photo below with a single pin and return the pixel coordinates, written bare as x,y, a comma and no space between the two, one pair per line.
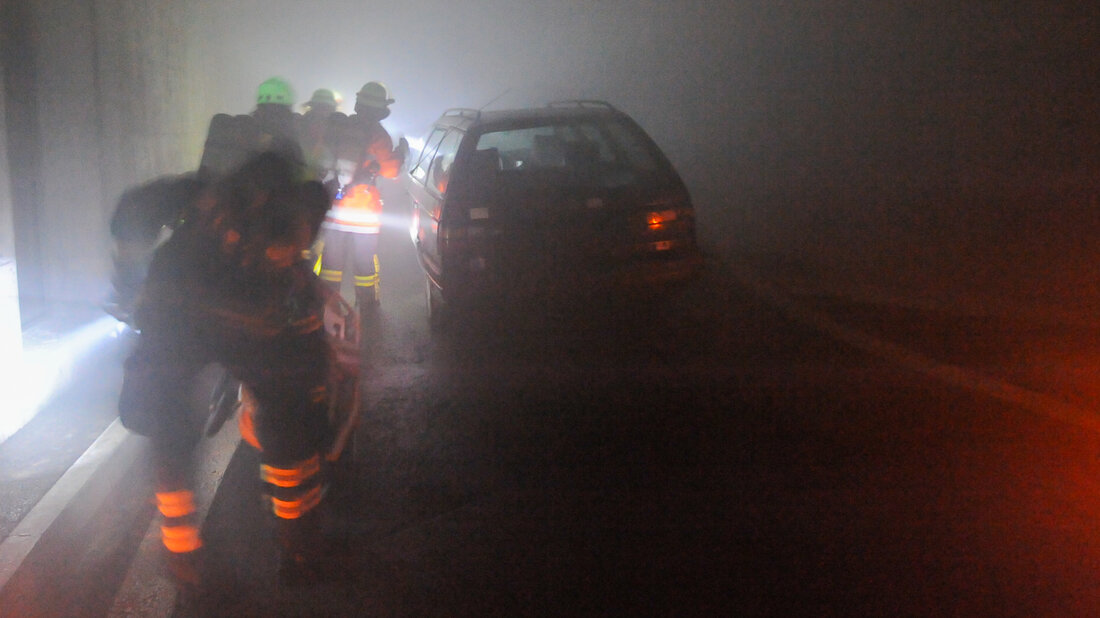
366,174
333,188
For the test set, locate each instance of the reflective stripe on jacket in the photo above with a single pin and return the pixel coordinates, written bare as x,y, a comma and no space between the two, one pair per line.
359,211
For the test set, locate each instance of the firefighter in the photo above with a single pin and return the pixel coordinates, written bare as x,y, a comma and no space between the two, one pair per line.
276,118
144,217
271,126
230,287
362,150
313,127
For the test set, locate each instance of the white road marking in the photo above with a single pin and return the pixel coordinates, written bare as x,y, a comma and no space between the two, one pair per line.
18,545
147,589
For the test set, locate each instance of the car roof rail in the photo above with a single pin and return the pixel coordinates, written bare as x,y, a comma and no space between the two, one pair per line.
464,112
581,103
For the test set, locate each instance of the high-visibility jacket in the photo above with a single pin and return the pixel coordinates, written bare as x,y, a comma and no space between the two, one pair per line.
358,211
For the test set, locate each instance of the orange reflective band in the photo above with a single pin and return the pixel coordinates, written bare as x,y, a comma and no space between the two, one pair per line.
361,197
246,425
180,539
291,477
175,503
293,509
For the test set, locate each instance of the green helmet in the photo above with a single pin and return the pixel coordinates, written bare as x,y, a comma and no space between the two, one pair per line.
275,90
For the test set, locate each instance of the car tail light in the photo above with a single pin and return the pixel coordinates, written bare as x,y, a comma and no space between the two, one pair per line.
657,220
673,213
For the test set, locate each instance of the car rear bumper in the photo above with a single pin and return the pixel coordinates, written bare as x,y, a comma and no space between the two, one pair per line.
651,274
643,277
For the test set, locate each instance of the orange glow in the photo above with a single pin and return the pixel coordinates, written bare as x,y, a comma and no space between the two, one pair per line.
293,509
245,421
180,539
282,256
362,197
359,210
175,503
290,477
656,220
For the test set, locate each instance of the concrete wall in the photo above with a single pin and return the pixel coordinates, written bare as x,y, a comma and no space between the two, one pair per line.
10,336
103,94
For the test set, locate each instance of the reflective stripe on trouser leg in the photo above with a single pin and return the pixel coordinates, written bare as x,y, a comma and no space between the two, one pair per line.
293,489
334,256
318,250
367,285
331,276
180,531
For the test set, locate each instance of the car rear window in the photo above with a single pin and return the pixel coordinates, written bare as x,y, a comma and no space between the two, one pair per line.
611,152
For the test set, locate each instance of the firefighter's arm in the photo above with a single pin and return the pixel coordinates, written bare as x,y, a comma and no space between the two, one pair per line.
388,160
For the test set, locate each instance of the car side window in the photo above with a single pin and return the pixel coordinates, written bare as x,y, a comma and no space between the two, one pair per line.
420,170
439,173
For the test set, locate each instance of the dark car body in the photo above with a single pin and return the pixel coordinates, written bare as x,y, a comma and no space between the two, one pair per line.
542,202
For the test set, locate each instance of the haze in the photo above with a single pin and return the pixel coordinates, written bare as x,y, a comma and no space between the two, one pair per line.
935,142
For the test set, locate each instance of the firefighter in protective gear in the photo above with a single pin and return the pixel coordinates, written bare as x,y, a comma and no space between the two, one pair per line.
271,126
230,287
276,118
313,128
144,217
362,150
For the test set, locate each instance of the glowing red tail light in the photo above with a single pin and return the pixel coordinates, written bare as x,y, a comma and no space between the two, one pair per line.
657,220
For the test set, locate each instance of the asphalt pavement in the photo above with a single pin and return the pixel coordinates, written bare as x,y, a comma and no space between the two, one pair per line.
996,337
1021,329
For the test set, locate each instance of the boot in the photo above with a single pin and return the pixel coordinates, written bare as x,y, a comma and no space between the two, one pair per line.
366,301
306,556
187,568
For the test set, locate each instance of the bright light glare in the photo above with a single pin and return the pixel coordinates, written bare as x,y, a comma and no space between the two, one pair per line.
414,225
416,144
395,222
44,370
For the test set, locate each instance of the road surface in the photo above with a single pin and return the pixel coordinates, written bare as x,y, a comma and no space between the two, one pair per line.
725,449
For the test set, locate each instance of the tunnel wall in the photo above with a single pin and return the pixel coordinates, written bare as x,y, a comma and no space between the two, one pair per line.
104,96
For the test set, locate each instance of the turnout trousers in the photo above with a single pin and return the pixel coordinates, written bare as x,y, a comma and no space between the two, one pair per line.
359,250
287,374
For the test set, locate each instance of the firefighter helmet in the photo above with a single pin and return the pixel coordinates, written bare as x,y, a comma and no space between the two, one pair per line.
374,94
324,96
275,90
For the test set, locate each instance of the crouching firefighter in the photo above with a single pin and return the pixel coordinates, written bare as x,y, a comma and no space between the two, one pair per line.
231,287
